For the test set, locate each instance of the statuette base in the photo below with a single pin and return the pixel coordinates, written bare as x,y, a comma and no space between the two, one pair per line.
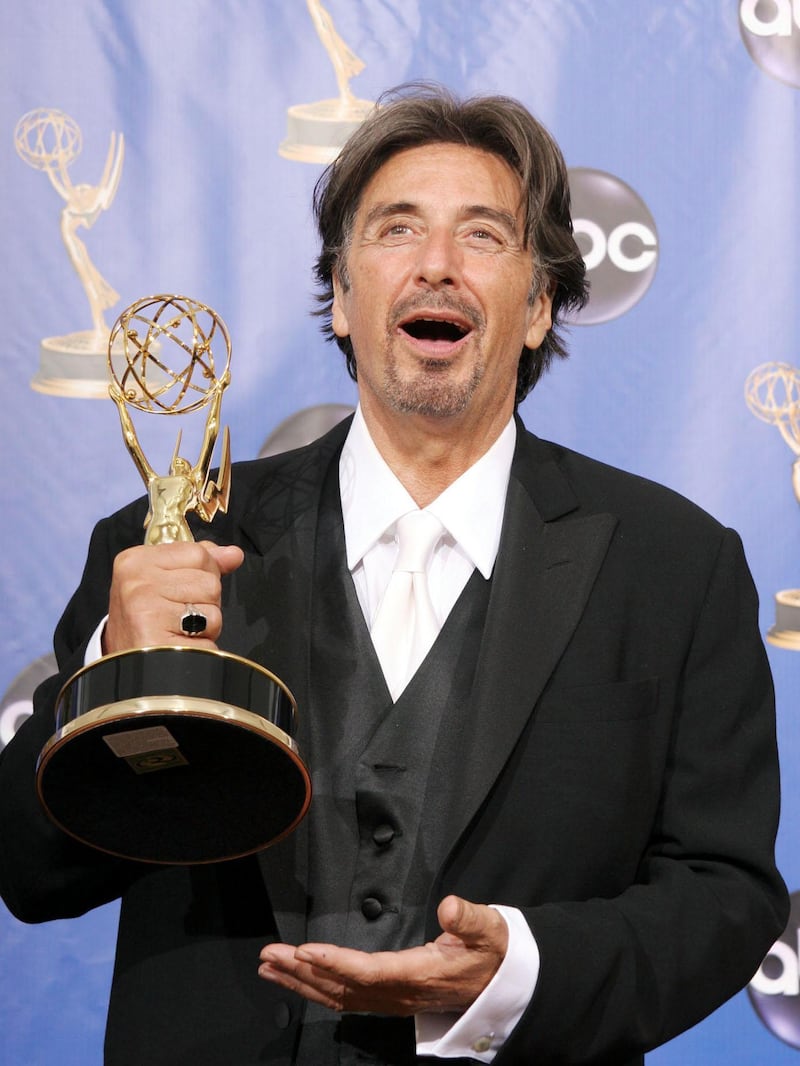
316,133
174,756
75,365
786,631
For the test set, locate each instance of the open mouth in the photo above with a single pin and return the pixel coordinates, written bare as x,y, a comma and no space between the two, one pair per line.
436,330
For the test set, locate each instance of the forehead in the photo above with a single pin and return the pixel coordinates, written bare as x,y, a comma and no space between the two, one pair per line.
445,175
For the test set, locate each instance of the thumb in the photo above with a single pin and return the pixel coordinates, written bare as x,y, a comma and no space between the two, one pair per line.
473,923
228,557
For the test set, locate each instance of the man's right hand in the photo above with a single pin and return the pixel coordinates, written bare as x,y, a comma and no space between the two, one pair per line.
151,586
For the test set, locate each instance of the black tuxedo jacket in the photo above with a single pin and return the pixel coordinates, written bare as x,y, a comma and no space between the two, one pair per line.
616,779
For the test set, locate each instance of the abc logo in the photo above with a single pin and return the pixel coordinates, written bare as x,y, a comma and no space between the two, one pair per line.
770,30
11,718
775,990
617,238
17,701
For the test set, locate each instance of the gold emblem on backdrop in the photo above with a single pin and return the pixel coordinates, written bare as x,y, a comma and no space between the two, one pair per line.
50,140
317,132
772,392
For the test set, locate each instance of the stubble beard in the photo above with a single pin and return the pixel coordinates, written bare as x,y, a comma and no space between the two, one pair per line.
429,390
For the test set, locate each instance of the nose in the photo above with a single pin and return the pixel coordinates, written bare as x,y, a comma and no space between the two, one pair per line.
438,260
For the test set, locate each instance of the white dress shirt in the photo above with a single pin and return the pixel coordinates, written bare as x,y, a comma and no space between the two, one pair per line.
471,511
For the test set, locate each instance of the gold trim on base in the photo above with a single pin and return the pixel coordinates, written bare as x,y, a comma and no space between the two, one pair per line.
77,388
784,638
785,633
144,705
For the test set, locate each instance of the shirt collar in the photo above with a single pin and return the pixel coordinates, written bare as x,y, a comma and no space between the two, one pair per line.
471,509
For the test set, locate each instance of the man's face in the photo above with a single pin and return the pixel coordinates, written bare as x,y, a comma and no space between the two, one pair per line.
436,297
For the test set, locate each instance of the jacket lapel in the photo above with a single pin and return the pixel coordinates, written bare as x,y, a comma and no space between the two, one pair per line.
548,560
267,618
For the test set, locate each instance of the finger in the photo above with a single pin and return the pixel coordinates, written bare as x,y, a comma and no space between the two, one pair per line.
310,992
205,556
431,977
181,572
159,623
473,923
152,590
391,982
177,555
344,970
360,967
153,584
213,624
279,965
227,557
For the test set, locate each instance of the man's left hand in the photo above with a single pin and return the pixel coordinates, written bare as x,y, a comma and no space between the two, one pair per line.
446,975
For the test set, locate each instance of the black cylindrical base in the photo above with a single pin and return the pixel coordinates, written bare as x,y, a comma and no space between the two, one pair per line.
174,755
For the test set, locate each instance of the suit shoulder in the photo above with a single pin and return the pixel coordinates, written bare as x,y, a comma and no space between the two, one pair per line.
632,497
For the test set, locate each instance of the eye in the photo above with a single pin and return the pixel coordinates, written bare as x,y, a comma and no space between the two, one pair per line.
483,237
394,232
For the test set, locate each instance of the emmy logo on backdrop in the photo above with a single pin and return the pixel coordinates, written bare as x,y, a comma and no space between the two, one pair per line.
317,132
772,392
49,140
174,754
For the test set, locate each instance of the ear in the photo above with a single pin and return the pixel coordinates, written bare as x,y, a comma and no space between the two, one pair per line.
341,326
540,321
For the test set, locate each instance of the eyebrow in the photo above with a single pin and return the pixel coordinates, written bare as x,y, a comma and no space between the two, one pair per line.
405,207
381,211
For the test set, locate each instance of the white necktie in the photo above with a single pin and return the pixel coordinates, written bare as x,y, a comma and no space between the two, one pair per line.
405,624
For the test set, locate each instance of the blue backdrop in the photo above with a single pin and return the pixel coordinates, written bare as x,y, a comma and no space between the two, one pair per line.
690,110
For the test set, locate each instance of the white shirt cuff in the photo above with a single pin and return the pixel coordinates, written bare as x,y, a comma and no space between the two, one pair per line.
94,649
481,1030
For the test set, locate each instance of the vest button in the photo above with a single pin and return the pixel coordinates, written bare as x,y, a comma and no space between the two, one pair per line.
383,835
371,908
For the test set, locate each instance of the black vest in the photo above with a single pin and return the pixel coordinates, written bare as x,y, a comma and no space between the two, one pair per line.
374,844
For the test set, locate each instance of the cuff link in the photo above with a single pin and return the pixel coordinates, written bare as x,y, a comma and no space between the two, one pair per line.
483,1043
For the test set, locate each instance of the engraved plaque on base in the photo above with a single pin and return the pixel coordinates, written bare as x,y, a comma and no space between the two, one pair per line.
174,754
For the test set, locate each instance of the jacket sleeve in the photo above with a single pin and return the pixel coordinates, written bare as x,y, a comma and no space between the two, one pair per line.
622,975
44,873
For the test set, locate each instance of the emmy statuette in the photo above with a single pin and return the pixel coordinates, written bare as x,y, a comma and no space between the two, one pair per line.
316,133
50,140
772,392
174,754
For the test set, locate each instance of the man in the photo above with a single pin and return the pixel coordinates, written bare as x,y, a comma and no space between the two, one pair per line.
544,836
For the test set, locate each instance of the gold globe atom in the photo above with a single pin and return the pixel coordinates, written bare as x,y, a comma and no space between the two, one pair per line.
772,392
47,138
161,354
